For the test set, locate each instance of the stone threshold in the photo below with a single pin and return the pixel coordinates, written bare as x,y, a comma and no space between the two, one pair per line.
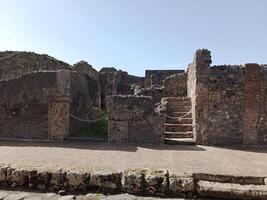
145,182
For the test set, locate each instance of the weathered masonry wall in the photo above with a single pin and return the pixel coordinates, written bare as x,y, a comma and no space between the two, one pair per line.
156,77
24,106
59,108
14,64
173,86
262,110
115,82
93,82
37,105
228,102
142,182
225,105
133,119
198,91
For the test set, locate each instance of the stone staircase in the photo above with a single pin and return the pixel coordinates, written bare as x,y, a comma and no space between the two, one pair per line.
179,132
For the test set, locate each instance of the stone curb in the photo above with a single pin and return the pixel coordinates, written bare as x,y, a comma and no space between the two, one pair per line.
133,181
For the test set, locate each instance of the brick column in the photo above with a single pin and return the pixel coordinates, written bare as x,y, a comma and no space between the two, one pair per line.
251,103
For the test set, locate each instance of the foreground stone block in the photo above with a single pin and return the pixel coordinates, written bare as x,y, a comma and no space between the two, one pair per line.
231,191
181,186
42,179
16,177
243,180
145,182
31,175
107,182
77,180
156,182
58,180
3,174
133,181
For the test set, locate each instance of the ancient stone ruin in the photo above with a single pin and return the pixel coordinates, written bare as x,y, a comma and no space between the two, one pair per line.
46,99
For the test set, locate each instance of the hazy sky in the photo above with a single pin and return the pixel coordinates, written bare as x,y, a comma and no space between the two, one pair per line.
135,35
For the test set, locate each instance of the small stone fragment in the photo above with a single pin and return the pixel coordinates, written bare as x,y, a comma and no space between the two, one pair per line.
3,195
49,195
67,197
62,192
16,196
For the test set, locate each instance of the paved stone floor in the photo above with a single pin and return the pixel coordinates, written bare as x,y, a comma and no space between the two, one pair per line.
103,156
26,195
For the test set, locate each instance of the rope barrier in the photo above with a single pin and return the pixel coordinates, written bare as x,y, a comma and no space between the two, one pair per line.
178,118
87,120
95,120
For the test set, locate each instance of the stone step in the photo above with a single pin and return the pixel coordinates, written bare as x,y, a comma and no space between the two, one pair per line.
178,103
187,134
178,98
207,189
178,108
224,178
180,141
175,121
178,127
179,114
182,102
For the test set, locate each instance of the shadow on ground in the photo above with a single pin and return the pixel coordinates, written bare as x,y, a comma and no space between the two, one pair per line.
97,145
94,145
247,148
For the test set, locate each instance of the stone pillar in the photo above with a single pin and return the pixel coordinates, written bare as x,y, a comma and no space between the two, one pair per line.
198,91
59,109
251,103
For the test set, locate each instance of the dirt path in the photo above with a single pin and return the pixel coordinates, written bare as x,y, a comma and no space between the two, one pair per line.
103,156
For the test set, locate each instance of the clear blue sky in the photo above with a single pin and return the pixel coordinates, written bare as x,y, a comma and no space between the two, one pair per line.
135,35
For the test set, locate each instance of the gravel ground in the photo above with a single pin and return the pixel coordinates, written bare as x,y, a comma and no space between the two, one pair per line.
106,157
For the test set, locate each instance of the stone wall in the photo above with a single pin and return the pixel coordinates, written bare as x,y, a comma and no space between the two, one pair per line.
37,105
115,82
30,106
133,119
59,107
156,77
262,109
15,63
228,102
142,182
225,105
157,93
175,85
93,82
197,82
